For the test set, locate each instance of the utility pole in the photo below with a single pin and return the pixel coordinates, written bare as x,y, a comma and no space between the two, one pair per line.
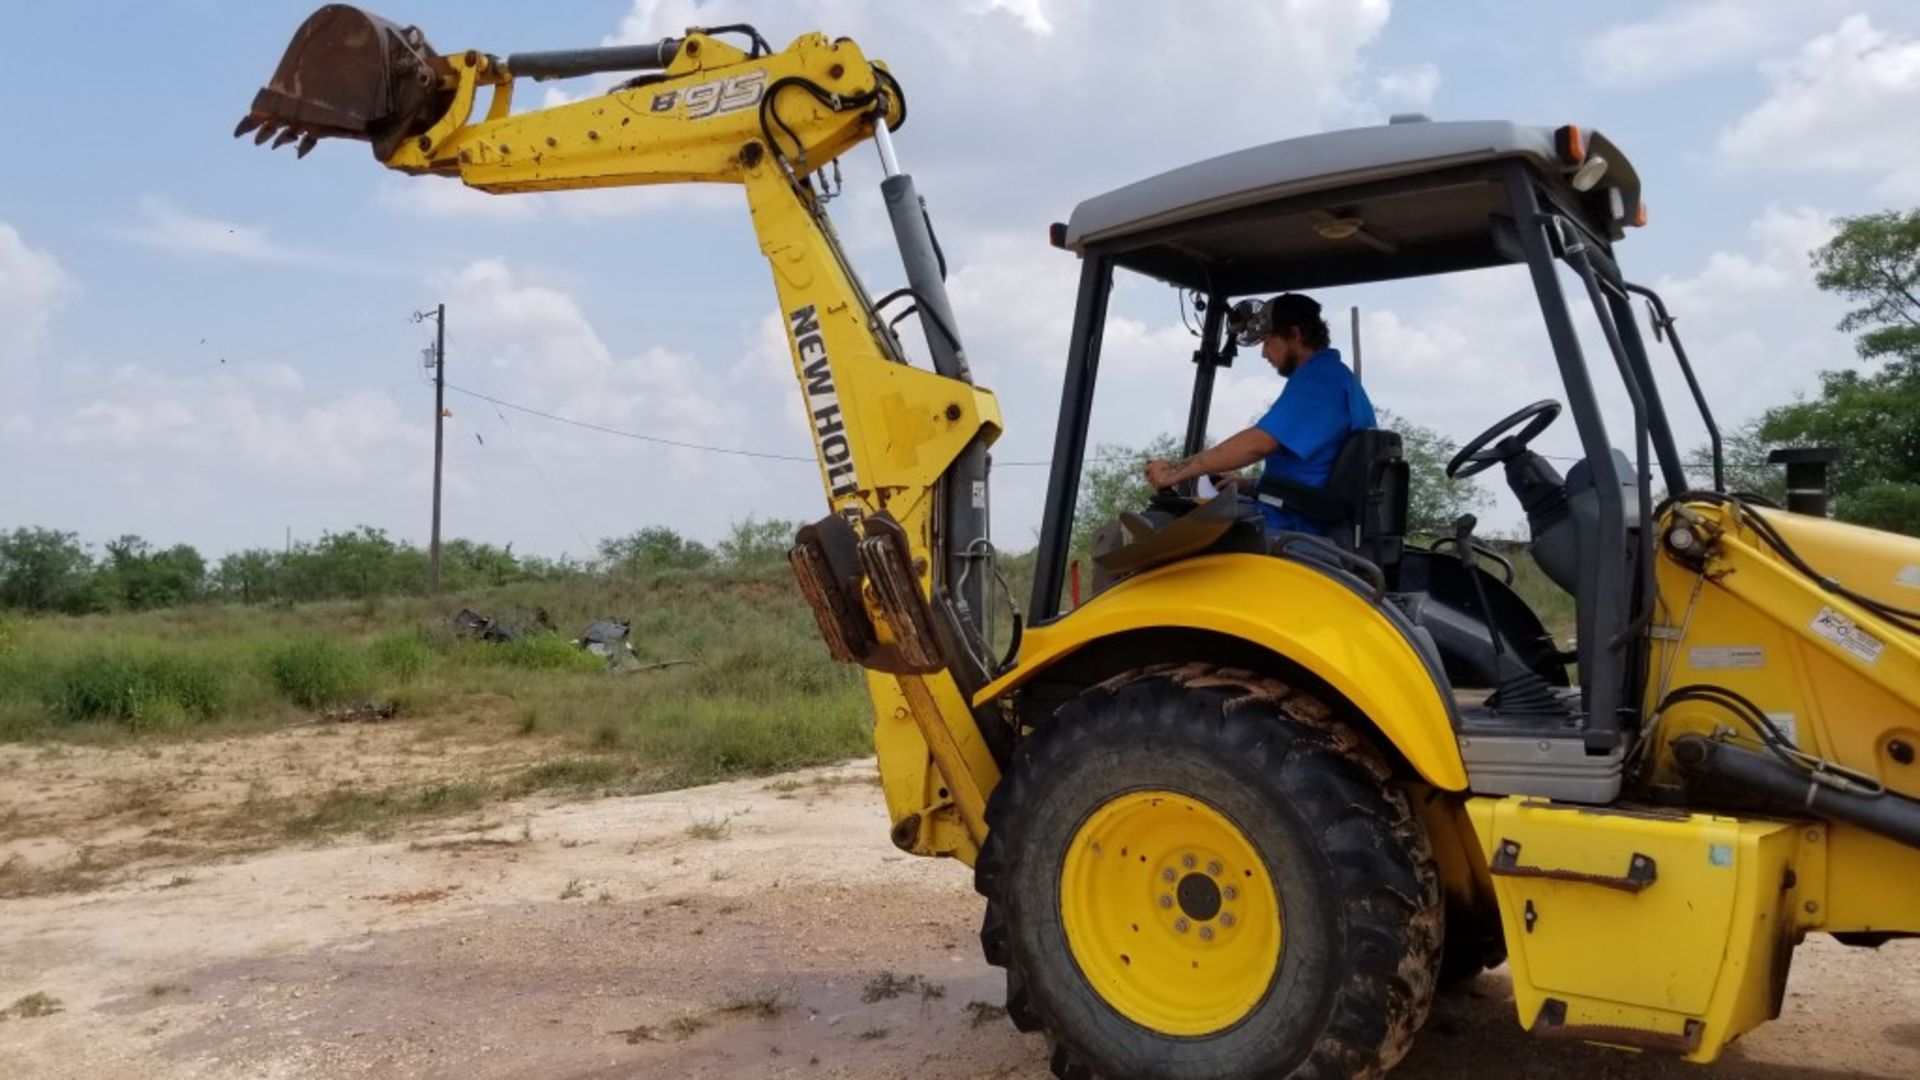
439,362
1356,342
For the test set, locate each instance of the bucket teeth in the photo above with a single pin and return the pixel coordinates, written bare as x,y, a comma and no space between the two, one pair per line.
286,136
306,145
248,123
266,132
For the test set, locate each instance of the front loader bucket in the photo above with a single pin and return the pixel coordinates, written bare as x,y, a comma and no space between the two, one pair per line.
350,75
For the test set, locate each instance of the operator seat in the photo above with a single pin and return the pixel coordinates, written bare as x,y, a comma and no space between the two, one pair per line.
1363,506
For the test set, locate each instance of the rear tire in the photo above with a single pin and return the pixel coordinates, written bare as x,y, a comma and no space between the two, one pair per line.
1329,970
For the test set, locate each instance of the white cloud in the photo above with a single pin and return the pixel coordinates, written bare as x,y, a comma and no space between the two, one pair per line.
1413,87
1757,327
32,289
1031,13
446,199
169,228
164,452
1844,103
433,197
1009,127
1685,38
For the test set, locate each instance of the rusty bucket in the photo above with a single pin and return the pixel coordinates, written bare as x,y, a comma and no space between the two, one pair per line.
350,75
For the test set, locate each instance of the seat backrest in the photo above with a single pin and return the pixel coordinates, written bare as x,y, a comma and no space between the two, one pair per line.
1370,481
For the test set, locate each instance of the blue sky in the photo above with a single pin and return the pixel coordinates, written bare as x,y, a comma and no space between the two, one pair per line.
202,341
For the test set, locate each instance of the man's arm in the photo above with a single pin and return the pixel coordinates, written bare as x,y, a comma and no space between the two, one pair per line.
1238,452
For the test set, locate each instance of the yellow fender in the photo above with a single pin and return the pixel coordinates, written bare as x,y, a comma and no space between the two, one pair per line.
1289,609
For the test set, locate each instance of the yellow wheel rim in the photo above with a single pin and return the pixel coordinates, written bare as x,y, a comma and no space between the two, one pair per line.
1170,912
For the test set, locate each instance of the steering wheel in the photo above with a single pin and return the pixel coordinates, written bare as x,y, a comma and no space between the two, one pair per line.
1483,453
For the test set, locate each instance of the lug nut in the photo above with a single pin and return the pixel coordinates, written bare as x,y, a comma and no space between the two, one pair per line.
1166,901
1206,933
1188,861
1181,925
1226,918
1230,893
1167,875
1214,868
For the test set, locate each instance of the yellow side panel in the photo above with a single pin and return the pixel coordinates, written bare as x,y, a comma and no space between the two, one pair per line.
1685,958
1296,612
1882,565
1872,883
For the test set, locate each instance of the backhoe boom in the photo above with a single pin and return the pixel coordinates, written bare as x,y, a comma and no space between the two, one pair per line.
896,444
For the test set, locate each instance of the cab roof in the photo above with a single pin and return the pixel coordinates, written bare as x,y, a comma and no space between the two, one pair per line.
1396,200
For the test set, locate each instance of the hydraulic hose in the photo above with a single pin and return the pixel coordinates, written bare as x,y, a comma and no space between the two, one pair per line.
1784,789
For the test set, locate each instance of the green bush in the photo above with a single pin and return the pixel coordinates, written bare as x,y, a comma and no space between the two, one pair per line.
543,652
138,690
403,654
317,672
1893,507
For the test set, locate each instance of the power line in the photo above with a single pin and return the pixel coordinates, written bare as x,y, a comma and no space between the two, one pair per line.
767,455
736,451
605,430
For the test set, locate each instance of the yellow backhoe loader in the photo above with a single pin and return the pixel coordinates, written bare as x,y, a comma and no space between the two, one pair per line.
1244,808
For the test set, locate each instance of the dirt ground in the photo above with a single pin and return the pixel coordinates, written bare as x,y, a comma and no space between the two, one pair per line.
756,928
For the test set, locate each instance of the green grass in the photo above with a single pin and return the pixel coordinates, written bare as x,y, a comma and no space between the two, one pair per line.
537,652
136,688
317,672
403,654
759,694
1548,600
33,1006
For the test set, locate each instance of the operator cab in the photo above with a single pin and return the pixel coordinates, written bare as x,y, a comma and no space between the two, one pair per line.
1402,200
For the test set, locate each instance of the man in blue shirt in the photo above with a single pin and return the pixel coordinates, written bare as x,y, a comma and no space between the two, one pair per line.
1301,434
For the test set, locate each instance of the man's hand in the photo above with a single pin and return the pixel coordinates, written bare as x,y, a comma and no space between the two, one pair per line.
1237,452
1163,474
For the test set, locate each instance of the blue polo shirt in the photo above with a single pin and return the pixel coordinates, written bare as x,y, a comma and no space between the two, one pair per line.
1320,406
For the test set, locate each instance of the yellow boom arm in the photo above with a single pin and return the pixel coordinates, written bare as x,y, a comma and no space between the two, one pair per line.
887,434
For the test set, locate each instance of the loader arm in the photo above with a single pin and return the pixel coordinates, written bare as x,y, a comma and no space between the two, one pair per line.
901,449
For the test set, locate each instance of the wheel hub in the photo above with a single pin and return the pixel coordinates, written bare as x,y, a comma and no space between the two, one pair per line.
1170,913
1198,896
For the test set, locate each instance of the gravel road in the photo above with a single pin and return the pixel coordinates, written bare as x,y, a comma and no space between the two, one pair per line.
757,928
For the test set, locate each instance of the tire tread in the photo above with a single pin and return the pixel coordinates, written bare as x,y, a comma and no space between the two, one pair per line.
1383,862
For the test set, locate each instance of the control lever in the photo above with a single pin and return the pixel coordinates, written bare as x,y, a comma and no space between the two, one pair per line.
1519,690
1463,550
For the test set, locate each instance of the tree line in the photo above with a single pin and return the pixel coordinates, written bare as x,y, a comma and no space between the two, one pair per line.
49,571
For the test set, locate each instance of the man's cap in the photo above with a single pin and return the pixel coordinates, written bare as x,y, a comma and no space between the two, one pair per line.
1252,320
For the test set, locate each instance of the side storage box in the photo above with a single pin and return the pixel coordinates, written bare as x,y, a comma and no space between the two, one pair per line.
1647,929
